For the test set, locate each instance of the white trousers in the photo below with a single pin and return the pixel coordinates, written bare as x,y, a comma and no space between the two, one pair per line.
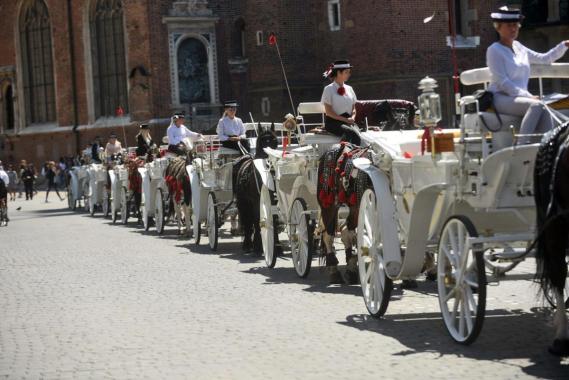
536,119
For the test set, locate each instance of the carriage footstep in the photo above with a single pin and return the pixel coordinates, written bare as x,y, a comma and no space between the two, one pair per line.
559,347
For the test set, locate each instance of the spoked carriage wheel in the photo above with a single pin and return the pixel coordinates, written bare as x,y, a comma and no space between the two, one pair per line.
212,222
159,211
106,203
267,224
92,206
145,216
301,237
461,280
124,205
376,286
70,200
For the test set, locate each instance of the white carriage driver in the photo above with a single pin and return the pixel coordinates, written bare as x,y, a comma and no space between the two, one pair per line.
509,62
177,132
230,129
339,102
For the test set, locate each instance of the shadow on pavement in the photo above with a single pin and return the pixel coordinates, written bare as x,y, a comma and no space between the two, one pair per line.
507,334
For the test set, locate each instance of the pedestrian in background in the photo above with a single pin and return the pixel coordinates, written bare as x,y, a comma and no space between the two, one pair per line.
23,166
28,177
13,185
51,175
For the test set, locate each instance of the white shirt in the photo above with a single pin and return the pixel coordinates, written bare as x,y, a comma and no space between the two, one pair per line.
4,177
177,134
230,127
340,103
115,148
511,69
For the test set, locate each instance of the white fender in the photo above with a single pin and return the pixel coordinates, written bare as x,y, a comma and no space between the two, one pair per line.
389,232
263,170
146,193
420,222
197,210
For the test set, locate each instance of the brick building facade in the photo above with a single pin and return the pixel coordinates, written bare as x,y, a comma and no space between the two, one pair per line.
154,57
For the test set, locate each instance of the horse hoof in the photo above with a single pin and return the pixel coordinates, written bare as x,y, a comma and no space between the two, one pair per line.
431,276
409,284
351,277
560,347
334,276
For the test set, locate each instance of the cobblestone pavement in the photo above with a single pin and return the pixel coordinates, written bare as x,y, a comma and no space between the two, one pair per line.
82,298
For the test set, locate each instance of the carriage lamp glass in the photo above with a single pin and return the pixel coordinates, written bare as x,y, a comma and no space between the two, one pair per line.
429,102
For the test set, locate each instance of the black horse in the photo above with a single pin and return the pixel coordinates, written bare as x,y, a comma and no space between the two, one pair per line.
551,189
247,189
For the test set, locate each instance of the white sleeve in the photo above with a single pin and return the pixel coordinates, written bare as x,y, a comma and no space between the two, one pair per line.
220,132
549,57
170,133
326,96
500,76
193,135
242,131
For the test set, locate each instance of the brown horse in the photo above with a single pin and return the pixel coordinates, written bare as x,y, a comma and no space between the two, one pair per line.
339,183
551,185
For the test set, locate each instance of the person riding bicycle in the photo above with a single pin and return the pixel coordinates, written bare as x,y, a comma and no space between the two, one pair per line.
177,132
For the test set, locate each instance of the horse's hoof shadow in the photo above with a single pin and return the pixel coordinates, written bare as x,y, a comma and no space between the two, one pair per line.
560,347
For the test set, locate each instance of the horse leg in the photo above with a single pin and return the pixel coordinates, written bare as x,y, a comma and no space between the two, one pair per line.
328,219
351,275
560,346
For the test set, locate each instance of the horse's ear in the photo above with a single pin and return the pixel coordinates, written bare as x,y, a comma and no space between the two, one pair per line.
273,127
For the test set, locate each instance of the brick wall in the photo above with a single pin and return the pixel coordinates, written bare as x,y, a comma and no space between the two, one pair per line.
386,41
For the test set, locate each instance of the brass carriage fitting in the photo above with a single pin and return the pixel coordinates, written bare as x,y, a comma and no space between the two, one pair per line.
365,251
263,223
450,280
294,238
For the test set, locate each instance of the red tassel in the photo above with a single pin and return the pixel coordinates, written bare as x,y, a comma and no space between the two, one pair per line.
342,174
342,196
330,181
337,169
353,199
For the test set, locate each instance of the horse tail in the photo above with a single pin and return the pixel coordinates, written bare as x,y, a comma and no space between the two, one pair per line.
550,183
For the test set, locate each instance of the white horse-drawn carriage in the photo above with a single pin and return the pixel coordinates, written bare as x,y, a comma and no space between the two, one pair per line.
98,196
469,201
78,187
155,196
211,182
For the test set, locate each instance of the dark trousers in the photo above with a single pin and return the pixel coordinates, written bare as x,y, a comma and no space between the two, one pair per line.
349,133
29,188
51,185
235,145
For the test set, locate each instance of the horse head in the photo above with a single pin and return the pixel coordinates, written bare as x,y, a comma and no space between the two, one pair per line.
267,138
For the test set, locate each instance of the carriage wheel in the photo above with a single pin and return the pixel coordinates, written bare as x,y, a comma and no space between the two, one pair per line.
91,206
145,217
301,238
267,224
106,203
212,222
159,211
376,286
70,200
461,280
124,205
188,217
197,228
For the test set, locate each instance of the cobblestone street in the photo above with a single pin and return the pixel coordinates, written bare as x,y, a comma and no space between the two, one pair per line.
82,298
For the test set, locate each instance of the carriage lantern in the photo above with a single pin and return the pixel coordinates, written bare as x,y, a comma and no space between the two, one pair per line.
429,109
429,102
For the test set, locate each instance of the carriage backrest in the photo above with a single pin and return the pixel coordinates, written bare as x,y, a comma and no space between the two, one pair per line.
483,75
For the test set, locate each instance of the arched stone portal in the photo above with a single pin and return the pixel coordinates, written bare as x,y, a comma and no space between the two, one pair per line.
193,72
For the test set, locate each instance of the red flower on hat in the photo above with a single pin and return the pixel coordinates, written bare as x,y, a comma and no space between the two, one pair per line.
341,90
119,111
272,39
